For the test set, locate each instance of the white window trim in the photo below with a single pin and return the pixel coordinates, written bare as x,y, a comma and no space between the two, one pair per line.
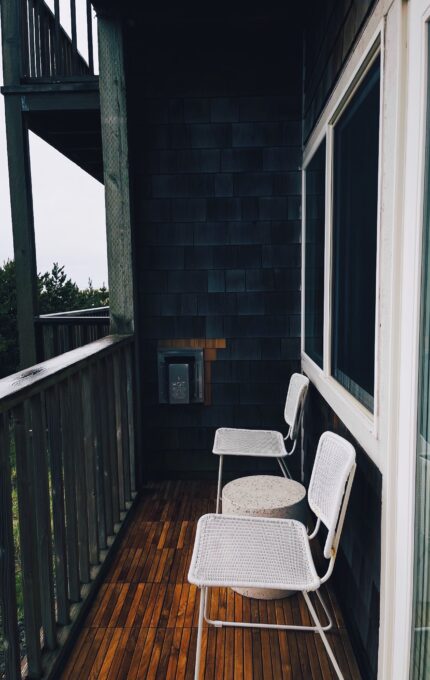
359,420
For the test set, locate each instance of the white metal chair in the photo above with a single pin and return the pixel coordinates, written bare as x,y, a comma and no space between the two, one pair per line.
264,443
259,552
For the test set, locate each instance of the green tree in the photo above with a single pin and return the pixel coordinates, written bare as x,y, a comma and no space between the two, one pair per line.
9,354
57,293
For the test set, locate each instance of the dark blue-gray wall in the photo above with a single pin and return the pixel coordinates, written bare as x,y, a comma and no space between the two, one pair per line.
215,130
357,572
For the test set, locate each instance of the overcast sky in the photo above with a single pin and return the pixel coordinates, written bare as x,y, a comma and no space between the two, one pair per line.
68,203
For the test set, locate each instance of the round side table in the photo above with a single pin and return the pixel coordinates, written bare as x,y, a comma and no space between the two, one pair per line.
265,496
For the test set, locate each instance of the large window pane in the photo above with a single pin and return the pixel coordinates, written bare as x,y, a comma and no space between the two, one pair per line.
314,255
355,199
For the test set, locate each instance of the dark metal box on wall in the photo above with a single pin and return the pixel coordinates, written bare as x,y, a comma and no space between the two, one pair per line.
180,376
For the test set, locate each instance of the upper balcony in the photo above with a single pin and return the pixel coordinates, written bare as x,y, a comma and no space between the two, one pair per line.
49,54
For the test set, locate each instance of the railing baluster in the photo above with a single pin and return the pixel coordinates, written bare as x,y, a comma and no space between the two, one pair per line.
74,34
38,67
31,31
81,487
25,37
105,447
70,491
112,440
90,38
28,543
98,452
119,431
43,517
124,424
130,411
57,50
8,607
58,513
90,468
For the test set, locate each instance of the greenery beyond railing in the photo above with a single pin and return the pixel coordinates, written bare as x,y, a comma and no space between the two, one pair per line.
60,332
69,425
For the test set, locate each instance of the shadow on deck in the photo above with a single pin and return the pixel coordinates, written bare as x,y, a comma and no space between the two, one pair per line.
143,622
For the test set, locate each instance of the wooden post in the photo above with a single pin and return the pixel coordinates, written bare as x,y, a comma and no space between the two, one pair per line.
20,185
116,177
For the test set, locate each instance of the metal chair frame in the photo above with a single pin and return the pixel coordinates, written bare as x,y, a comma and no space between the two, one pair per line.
334,525
294,426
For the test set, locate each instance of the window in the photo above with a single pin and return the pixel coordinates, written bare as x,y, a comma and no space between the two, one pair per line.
314,254
355,200
341,179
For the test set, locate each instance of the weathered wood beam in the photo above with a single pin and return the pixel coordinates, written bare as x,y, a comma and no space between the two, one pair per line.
116,175
20,185
21,200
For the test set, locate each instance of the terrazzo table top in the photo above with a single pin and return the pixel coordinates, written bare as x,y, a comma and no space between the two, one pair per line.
263,492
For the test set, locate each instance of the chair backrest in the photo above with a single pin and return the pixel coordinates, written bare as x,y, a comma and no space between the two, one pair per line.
294,403
330,484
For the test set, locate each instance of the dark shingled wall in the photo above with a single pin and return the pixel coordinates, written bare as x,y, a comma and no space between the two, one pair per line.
215,130
331,29
358,566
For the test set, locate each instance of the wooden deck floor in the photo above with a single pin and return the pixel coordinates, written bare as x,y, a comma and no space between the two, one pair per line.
143,623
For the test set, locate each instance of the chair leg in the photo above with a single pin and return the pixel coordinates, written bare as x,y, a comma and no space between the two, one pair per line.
222,623
200,632
323,635
218,493
284,468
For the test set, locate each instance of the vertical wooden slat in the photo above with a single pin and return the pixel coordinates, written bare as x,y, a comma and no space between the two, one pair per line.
44,40
124,423
43,517
90,468
98,453
8,607
90,38
32,49
74,34
119,429
130,410
58,513
105,450
112,440
70,471
25,43
38,68
57,50
28,543
81,487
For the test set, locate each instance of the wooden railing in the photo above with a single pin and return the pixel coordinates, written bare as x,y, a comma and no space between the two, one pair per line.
68,426
47,50
64,331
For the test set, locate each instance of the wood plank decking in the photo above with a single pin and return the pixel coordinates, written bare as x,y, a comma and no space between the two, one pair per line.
143,623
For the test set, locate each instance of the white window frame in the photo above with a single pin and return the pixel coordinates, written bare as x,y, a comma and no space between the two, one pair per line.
360,421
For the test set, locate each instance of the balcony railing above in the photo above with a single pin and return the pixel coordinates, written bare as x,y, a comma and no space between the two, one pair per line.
48,52
67,457
63,331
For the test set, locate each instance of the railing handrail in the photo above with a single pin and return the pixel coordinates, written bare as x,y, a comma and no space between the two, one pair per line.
72,320
22,385
76,312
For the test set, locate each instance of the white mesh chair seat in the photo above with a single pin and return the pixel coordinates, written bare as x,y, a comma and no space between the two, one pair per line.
252,552
237,442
